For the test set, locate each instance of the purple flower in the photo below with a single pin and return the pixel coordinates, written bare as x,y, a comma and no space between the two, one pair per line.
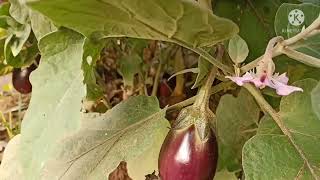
265,76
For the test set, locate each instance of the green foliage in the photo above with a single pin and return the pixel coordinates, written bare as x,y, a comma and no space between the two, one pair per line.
55,114
317,2
129,66
283,27
91,54
132,131
41,25
254,21
225,175
165,20
203,70
70,141
238,49
11,168
236,118
266,155
60,141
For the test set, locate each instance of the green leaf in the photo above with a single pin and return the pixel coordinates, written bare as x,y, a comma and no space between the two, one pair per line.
255,21
4,15
235,122
292,18
54,110
14,44
19,35
181,21
268,126
19,11
91,54
58,140
203,70
267,156
315,97
238,49
129,66
225,175
41,25
132,131
11,168
137,45
272,157
317,2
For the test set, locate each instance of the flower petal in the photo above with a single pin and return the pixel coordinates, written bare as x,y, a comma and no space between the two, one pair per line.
241,80
282,78
283,89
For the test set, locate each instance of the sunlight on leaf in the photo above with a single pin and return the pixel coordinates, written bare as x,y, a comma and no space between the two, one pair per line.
11,168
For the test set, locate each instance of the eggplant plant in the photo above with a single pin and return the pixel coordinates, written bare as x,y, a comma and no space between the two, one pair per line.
160,89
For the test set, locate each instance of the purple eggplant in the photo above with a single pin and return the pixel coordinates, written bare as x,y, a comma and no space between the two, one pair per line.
190,150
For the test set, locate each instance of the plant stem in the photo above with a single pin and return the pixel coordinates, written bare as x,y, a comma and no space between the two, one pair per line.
206,3
275,52
5,123
156,79
315,25
215,89
213,60
276,117
203,96
202,100
106,102
178,66
304,58
163,56
207,57
291,42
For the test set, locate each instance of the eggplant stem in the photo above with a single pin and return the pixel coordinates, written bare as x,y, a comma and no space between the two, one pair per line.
202,101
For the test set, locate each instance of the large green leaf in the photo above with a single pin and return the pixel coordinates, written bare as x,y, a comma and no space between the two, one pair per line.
41,25
11,168
55,106
19,11
272,156
235,122
181,21
59,141
132,131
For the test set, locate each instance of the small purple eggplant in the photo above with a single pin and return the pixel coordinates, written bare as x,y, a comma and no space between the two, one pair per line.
190,150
